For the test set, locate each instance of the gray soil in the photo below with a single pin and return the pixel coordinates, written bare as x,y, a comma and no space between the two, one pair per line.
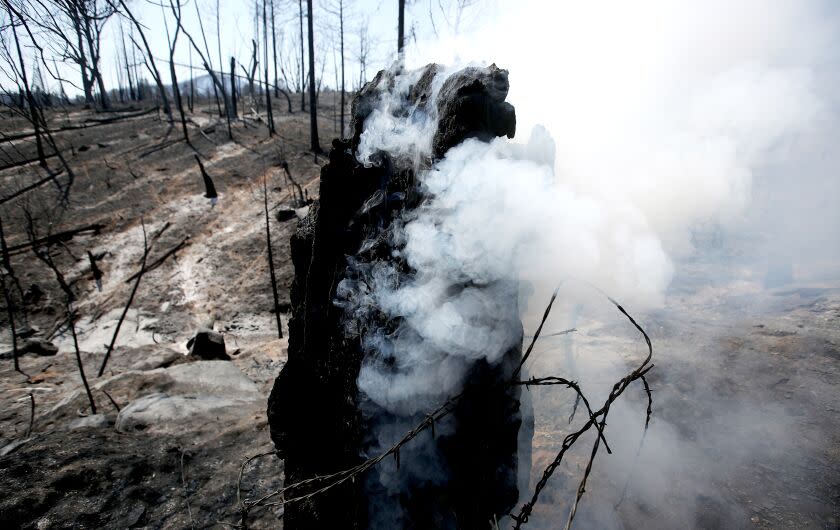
745,429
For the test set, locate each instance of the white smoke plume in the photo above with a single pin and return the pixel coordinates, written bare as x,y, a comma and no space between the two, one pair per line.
639,124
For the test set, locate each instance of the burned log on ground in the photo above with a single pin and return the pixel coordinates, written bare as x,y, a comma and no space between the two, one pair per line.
464,473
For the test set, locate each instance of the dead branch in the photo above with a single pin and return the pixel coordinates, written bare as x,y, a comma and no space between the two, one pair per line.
37,184
27,161
71,317
52,239
319,484
139,275
112,400
87,124
158,262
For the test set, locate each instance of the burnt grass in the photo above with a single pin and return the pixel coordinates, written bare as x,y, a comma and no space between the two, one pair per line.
745,385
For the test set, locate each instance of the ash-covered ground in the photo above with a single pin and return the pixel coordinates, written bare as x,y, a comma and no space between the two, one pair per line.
744,432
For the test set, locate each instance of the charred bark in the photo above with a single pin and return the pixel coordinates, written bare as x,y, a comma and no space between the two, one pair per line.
320,423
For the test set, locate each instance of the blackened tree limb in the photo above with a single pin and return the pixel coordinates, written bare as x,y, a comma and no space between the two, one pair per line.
315,145
57,237
175,88
269,113
7,260
158,262
20,163
146,249
87,124
10,310
33,106
71,318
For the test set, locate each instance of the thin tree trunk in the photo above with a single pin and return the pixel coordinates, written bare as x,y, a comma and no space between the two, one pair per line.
271,261
10,306
71,319
30,99
131,93
175,89
401,27
94,63
302,60
341,27
191,100
269,113
151,62
233,87
313,114
274,49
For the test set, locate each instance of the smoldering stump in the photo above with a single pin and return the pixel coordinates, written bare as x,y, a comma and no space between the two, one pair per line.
465,471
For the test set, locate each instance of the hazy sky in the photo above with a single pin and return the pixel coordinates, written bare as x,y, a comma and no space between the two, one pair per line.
424,18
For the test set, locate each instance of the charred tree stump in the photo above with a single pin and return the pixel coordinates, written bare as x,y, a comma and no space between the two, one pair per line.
320,421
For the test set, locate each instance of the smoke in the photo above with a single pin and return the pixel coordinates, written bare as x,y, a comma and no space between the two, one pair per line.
668,111
650,127
665,141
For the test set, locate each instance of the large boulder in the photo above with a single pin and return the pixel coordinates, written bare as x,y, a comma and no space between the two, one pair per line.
208,345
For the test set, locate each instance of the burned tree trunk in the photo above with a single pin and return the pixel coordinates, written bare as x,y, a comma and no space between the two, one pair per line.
461,475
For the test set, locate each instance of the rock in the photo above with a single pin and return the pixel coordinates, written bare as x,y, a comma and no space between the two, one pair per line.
92,421
162,410
33,294
285,214
153,356
25,331
187,392
40,347
208,345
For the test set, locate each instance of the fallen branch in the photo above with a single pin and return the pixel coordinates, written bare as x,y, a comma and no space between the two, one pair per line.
26,162
90,122
37,184
158,262
58,237
170,143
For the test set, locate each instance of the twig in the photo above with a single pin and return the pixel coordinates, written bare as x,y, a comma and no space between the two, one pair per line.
641,443
186,493
597,419
112,400
242,509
